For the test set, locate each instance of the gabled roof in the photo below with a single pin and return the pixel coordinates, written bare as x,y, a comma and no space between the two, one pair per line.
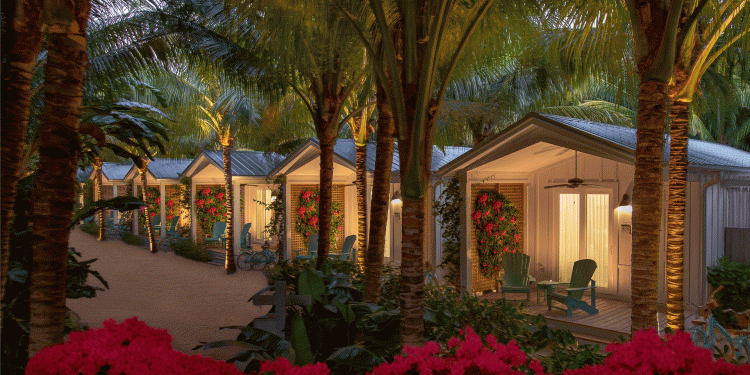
244,163
115,171
83,174
346,152
162,168
605,140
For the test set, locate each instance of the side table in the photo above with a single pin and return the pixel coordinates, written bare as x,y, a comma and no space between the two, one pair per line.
546,286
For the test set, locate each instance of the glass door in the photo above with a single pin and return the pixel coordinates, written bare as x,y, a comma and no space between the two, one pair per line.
584,221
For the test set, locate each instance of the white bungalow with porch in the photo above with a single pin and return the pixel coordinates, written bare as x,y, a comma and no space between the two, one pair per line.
562,224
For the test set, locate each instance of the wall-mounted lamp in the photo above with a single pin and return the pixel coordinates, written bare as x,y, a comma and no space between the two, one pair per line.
396,203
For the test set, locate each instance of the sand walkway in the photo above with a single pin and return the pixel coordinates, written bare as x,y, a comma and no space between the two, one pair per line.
189,299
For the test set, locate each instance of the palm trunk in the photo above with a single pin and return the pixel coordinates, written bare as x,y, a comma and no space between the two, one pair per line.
229,264
652,104
380,193
98,188
326,196
676,214
361,165
147,208
25,33
54,190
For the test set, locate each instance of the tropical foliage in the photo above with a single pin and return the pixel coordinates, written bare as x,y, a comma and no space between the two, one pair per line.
496,224
153,199
307,220
210,207
448,210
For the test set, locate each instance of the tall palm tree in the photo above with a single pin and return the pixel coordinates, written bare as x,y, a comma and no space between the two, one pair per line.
699,47
410,67
23,29
54,190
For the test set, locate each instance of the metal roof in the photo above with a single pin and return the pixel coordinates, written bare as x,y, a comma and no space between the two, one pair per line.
700,153
83,174
115,171
347,150
247,163
162,168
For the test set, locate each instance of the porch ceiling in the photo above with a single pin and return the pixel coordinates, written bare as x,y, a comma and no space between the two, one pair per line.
528,159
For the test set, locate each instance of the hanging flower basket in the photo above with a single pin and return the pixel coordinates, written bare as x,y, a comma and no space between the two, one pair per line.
307,217
495,219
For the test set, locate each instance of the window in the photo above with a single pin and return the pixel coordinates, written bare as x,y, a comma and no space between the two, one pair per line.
263,216
584,220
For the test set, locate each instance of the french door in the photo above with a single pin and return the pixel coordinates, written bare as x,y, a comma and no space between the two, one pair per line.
584,221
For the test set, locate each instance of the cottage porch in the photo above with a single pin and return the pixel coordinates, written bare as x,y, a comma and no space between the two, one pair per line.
612,320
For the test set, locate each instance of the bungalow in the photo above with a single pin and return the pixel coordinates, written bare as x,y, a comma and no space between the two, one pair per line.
114,181
536,164
162,174
249,180
302,171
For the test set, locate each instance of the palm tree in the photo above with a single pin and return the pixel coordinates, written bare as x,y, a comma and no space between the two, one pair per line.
54,190
407,67
697,52
19,59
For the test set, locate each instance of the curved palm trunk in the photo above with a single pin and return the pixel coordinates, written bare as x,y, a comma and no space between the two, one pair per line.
229,264
326,195
54,190
380,193
149,228
98,188
361,165
679,117
25,33
652,104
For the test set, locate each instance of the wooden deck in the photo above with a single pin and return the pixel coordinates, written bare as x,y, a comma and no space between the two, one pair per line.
612,321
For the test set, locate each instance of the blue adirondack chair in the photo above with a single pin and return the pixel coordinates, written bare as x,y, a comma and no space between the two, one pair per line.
156,224
312,248
348,248
173,230
516,278
218,232
580,279
245,237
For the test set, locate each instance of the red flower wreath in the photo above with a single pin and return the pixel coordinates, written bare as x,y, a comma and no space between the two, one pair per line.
494,218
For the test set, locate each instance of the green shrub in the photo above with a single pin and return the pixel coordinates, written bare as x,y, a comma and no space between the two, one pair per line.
735,278
131,239
185,247
90,228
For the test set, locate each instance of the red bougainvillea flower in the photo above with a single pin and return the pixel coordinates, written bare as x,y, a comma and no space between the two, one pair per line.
339,228
498,205
220,195
301,210
170,203
502,234
515,238
482,199
488,227
314,221
513,220
306,195
502,218
476,216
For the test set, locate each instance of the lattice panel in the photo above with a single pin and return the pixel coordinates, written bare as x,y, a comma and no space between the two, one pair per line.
298,241
107,192
172,193
514,193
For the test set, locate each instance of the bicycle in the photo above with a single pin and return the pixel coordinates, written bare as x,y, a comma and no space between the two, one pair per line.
248,260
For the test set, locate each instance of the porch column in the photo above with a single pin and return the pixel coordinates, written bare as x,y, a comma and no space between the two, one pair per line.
137,211
193,219
114,195
236,219
162,207
465,222
287,220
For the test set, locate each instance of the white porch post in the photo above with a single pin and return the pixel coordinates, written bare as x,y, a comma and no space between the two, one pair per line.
162,207
236,219
136,215
465,222
114,195
287,220
193,218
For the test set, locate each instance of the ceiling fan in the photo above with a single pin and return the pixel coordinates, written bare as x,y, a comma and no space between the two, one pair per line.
573,182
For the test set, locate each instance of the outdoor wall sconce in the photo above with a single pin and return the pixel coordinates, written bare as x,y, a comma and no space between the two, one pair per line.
396,203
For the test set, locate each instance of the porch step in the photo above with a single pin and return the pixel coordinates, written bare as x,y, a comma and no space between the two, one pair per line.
217,258
588,334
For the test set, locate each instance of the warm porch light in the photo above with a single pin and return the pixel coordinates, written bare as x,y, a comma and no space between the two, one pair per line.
396,203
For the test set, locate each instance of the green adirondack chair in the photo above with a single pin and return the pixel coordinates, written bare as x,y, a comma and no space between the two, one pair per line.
312,248
156,224
516,278
348,248
173,229
580,279
218,232
245,239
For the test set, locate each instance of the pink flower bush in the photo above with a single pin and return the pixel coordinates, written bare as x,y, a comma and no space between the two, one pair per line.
130,348
495,224
469,356
647,353
282,366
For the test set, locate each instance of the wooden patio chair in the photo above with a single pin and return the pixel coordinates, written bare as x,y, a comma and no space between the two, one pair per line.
245,238
218,232
580,279
173,229
312,248
348,248
516,278
156,224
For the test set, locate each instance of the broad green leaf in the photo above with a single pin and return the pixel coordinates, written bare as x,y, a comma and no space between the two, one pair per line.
312,285
300,342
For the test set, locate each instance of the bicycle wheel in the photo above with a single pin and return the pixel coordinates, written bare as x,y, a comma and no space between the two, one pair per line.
258,261
244,261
